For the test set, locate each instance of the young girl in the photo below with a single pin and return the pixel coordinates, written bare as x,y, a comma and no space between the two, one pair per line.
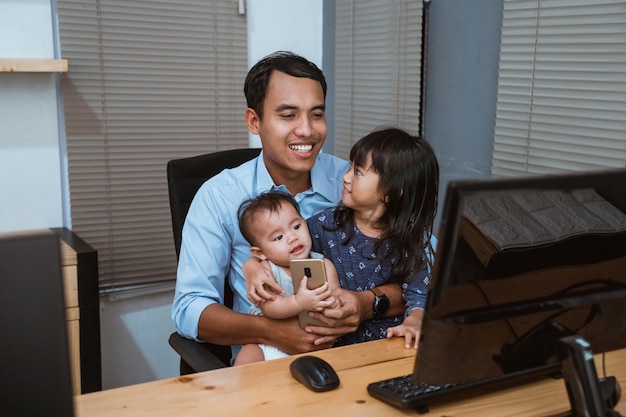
382,230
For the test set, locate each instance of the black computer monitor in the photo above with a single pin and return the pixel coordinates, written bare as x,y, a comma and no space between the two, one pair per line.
35,371
521,263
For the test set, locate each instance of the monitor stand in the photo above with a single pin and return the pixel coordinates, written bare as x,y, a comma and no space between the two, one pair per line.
588,394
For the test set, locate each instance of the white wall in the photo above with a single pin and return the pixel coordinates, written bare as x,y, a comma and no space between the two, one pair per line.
30,155
134,332
287,25
462,87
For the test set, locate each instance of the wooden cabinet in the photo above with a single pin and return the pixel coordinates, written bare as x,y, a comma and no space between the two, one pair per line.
80,278
69,264
79,263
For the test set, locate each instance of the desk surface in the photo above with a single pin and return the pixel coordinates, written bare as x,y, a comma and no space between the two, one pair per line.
267,389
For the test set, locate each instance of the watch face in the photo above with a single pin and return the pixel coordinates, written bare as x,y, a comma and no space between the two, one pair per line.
382,305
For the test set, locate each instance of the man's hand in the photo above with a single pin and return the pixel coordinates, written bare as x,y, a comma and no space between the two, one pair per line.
288,336
223,326
355,307
342,320
261,285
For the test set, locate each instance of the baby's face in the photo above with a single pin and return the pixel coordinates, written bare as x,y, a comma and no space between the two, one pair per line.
282,235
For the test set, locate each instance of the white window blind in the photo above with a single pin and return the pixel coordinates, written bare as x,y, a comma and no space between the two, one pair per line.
378,68
562,87
148,81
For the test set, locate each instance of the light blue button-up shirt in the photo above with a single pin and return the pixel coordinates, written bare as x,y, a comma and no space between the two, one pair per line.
212,246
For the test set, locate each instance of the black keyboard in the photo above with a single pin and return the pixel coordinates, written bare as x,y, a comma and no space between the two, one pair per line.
403,391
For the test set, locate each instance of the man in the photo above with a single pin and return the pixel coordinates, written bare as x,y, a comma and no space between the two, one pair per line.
286,102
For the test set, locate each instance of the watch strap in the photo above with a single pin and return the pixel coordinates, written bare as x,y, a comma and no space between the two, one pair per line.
379,296
377,292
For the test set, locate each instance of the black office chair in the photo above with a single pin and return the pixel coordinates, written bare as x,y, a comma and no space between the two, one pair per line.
184,177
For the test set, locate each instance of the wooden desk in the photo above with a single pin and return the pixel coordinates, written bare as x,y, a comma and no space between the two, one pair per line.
267,389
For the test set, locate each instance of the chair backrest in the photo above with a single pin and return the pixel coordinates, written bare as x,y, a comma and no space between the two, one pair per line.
184,178
186,175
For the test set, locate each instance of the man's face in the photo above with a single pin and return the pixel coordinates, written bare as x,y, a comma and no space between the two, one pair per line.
293,128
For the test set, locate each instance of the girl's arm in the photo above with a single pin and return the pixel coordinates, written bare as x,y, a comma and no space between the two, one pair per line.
414,294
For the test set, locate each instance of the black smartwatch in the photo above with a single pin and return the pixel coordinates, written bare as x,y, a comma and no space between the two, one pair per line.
381,303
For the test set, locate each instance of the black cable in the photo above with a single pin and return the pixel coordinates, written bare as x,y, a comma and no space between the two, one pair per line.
594,308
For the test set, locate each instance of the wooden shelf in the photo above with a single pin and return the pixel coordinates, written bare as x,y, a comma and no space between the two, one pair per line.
33,65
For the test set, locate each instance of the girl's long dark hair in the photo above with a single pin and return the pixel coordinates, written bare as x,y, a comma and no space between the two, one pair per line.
409,177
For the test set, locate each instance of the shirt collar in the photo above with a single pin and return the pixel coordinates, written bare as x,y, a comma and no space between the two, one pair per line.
263,179
319,179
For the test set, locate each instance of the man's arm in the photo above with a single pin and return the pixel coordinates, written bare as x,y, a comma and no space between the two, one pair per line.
211,247
260,283
221,325
356,306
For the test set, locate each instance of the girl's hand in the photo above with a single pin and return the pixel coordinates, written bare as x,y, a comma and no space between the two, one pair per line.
410,328
411,334
261,286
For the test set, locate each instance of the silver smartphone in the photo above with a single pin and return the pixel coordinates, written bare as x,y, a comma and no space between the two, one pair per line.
315,271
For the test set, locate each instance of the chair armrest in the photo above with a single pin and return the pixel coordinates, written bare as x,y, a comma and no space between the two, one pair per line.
195,354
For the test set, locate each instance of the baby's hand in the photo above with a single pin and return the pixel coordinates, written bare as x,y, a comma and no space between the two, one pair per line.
316,299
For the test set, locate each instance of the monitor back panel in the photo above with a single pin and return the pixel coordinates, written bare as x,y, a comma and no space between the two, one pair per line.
34,366
520,263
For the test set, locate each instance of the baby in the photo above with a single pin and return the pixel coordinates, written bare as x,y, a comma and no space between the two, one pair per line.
277,233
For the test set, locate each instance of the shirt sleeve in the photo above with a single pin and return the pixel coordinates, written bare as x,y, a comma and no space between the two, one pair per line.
204,260
415,291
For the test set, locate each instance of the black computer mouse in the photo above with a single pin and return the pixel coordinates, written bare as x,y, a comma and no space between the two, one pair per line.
314,373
